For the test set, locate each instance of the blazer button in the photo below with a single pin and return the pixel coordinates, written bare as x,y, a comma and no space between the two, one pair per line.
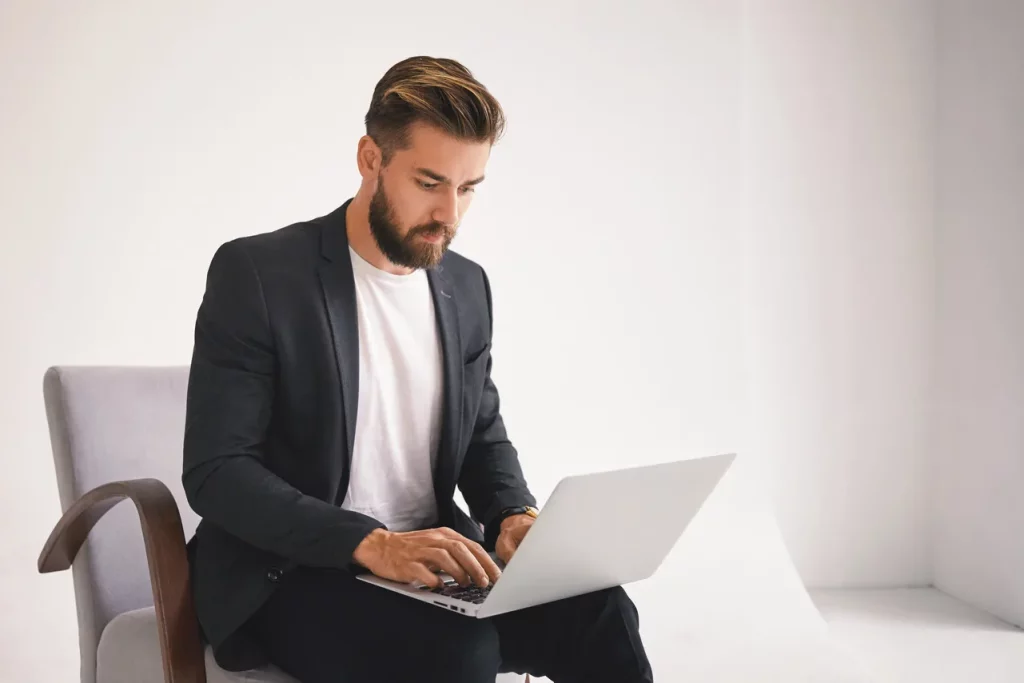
274,575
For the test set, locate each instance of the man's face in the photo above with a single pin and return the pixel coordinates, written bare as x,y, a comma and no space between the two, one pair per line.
423,194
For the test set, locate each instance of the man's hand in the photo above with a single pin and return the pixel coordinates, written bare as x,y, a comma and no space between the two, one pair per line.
417,555
513,531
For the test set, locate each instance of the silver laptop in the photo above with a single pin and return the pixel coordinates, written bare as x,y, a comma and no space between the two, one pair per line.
596,531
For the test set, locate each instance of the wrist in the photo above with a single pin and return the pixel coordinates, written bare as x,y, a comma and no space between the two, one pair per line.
369,546
511,517
514,521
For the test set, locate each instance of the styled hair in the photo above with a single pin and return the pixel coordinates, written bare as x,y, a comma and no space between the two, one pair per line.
440,92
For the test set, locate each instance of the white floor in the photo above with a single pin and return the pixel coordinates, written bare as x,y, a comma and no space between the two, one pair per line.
923,636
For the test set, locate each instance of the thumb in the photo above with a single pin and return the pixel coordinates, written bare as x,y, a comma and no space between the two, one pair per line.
505,547
420,573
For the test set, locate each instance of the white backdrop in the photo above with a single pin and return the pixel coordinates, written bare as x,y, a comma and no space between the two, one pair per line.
708,229
839,159
145,134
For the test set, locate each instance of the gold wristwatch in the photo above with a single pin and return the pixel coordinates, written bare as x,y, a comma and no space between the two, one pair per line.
521,510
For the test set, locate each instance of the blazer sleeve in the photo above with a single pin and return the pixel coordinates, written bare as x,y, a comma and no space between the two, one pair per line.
491,478
229,402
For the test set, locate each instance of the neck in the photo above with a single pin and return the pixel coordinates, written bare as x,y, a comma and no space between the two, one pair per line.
360,238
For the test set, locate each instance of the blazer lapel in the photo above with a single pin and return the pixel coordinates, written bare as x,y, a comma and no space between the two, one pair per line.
446,309
339,292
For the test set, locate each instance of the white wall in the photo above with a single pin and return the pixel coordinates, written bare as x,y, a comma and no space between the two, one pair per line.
979,507
838,153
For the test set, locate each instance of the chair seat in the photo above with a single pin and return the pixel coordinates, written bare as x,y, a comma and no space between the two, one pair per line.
129,652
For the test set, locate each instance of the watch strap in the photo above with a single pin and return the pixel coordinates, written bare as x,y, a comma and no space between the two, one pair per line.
519,510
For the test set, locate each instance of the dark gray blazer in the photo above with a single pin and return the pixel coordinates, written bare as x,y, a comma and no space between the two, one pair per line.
271,415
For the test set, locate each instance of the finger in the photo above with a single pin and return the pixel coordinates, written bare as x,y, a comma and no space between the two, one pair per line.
469,561
443,559
420,573
485,559
482,557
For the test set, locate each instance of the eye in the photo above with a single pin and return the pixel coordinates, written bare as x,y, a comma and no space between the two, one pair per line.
431,186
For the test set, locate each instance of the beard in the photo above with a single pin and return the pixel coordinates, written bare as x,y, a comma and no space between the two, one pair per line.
406,250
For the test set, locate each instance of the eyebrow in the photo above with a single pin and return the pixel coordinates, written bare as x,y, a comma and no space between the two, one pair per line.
442,179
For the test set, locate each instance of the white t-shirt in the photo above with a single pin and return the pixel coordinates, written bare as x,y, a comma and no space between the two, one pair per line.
401,382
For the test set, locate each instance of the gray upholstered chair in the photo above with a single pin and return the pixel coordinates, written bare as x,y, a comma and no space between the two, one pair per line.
116,434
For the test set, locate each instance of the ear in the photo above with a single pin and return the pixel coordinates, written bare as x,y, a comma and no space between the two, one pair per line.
368,158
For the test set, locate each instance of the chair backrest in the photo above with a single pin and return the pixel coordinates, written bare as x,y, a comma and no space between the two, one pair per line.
111,424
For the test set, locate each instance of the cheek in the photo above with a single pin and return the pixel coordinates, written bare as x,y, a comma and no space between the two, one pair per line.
409,207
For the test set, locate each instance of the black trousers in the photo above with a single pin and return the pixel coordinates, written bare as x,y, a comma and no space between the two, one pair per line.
326,626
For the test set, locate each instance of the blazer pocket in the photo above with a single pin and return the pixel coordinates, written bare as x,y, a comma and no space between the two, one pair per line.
477,356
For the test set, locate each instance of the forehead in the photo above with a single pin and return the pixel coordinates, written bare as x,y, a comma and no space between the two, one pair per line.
431,148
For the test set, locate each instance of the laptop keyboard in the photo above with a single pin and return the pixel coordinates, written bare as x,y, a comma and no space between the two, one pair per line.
473,594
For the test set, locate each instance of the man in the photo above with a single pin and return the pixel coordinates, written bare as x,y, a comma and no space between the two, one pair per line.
340,390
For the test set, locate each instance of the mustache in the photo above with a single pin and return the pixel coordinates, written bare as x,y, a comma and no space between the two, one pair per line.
432,230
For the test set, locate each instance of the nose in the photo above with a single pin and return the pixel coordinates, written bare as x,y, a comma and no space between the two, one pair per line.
447,211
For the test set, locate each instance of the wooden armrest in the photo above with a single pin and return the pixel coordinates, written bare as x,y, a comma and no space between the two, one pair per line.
181,650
